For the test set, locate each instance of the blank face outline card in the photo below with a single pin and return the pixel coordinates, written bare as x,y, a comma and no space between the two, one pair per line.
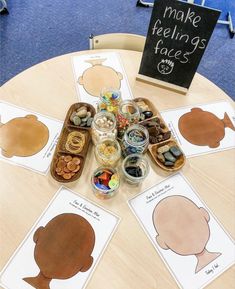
94,72
63,247
27,138
191,242
202,129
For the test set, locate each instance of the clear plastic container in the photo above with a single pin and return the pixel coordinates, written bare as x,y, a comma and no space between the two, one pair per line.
105,188
135,140
108,152
135,168
109,100
103,126
128,114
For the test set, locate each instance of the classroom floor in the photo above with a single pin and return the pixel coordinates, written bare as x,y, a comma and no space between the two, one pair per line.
35,31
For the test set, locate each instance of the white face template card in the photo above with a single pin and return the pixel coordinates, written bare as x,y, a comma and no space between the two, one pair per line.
27,138
63,247
191,242
94,72
202,129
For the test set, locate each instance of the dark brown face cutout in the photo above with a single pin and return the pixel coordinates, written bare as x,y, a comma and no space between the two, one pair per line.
23,136
183,228
98,77
63,248
203,128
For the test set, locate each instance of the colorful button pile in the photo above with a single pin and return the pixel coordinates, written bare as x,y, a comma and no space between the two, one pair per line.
105,181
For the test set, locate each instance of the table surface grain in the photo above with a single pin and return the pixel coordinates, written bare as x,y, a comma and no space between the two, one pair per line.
130,261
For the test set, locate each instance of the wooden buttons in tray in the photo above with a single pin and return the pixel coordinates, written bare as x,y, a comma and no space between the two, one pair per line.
71,150
160,135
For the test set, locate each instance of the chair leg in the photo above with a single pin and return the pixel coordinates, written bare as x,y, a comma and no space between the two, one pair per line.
91,41
4,11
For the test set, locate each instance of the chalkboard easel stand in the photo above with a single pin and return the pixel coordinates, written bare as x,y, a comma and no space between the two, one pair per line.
162,84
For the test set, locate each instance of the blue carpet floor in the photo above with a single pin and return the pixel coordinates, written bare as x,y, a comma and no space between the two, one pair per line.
36,30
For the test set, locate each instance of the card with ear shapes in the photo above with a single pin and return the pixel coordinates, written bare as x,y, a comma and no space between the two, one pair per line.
27,138
193,245
204,128
63,247
95,72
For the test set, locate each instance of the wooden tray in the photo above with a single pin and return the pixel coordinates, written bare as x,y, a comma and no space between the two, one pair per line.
60,150
178,164
152,148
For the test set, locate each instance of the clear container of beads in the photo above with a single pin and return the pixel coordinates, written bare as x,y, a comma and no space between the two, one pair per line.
105,182
135,140
128,114
109,100
103,126
108,152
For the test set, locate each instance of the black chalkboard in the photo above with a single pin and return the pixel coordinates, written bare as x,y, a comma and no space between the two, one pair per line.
177,38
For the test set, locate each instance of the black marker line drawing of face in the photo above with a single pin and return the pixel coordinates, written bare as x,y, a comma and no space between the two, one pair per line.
165,66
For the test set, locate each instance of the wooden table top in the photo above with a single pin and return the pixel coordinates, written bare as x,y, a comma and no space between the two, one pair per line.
130,261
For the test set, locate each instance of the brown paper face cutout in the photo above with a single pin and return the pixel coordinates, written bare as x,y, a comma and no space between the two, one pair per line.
183,228
99,76
203,128
62,249
23,136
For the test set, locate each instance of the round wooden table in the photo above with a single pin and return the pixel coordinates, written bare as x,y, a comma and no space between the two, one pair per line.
130,261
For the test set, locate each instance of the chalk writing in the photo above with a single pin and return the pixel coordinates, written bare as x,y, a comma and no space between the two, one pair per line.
177,37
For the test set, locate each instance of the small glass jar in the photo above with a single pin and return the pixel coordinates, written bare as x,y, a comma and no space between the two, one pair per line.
135,168
108,152
109,100
128,114
103,126
135,140
105,182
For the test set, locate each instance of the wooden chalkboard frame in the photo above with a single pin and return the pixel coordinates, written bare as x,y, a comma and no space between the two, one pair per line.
178,35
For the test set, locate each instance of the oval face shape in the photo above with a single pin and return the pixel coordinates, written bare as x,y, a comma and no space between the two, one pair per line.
23,136
98,77
181,225
201,128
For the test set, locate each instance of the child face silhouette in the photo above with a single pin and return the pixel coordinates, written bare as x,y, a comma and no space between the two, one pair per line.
98,77
181,225
63,248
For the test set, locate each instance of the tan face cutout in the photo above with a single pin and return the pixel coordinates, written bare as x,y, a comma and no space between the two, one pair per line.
98,77
203,128
62,249
183,228
23,136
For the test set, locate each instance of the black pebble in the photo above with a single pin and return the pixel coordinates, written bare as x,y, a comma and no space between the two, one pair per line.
148,114
134,171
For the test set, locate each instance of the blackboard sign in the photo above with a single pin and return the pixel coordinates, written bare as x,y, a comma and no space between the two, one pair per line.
177,38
